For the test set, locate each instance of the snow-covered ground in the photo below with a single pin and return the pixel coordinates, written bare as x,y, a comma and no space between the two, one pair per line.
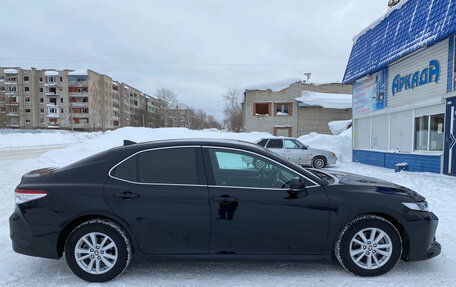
20,270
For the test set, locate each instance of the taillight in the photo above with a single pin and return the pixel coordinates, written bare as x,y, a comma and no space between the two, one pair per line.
24,195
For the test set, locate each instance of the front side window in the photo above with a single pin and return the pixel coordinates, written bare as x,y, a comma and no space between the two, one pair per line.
241,169
275,144
429,131
291,144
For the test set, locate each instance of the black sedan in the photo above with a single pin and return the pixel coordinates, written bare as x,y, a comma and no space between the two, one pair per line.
199,199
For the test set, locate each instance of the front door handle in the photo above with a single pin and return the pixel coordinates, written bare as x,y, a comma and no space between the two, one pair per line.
126,195
225,199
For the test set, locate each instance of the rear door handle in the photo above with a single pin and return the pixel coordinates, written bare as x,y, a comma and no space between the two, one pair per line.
126,195
225,199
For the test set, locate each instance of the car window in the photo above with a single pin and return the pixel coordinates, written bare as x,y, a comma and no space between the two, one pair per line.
173,165
237,168
127,170
263,142
275,144
291,144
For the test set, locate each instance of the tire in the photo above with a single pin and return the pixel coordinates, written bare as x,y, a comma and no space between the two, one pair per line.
318,162
105,263
349,239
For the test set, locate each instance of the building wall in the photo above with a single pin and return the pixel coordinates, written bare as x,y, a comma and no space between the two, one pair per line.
316,119
264,123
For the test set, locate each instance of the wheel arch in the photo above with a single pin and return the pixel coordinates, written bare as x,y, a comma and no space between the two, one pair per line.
75,222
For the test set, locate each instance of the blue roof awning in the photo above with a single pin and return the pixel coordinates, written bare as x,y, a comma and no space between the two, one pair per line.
414,24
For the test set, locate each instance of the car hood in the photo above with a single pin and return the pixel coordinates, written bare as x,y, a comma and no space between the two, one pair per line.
381,185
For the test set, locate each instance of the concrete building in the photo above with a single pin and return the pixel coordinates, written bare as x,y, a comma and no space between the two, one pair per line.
80,100
404,88
293,108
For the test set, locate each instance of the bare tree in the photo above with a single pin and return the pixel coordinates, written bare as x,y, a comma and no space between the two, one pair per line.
169,102
233,110
3,107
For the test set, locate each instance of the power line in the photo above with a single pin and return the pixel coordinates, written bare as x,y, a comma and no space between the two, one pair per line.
174,63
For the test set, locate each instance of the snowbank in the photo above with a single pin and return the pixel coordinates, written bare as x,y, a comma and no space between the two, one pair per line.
337,127
339,144
21,139
274,86
326,100
110,139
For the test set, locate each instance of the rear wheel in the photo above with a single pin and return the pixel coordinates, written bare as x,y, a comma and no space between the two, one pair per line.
368,245
318,162
98,251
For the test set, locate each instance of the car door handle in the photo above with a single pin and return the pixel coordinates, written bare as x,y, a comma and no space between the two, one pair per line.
225,199
126,195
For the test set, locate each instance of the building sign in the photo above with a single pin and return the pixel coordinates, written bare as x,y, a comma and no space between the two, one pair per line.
427,75
369,93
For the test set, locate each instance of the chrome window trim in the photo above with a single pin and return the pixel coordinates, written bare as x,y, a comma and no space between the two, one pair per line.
246,151
153,183
259,188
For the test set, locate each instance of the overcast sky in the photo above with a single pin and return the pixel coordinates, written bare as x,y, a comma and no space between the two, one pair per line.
196,48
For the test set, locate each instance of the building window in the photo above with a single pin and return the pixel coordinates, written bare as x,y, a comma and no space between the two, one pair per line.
61,79
27,121
41,100
27,99
429,132
61,100
50,79
27,110
260,109
41,90
26,79
41,111
26,89
61,111
282,109
41,79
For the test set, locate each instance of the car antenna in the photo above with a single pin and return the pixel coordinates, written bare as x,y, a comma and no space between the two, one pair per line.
128,142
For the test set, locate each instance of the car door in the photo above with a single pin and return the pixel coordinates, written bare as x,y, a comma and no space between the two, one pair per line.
276,145
162,195
253,213
296,152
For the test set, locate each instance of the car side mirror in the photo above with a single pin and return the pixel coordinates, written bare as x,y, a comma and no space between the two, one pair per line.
297,185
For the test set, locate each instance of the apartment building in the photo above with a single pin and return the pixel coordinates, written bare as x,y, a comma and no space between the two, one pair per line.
67,99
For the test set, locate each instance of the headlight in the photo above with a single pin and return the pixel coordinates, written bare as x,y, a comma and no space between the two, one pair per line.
418,206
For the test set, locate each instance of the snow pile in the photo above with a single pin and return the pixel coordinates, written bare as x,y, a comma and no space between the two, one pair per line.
110,139
337,127
10,71
339,144
82,72
274,86
42,138
51,73
325,100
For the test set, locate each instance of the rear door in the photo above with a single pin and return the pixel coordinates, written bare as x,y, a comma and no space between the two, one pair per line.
276,145
162,194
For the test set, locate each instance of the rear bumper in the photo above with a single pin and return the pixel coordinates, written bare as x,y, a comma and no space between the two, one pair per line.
422,243
32,239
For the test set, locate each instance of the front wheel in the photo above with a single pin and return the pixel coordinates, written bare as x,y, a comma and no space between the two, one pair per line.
98,251
318,162
368,245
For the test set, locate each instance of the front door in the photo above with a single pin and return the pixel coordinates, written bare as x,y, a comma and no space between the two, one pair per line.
296,152
162,195
252,212
449,163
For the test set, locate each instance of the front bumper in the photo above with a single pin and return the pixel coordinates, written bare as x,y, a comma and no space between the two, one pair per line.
421,243
331,159
33,239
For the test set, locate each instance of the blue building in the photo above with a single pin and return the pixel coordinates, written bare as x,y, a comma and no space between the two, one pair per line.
403,71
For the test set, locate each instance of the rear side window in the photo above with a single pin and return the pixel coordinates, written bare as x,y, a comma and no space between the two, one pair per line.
263,142
275,144
126,170
174,165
